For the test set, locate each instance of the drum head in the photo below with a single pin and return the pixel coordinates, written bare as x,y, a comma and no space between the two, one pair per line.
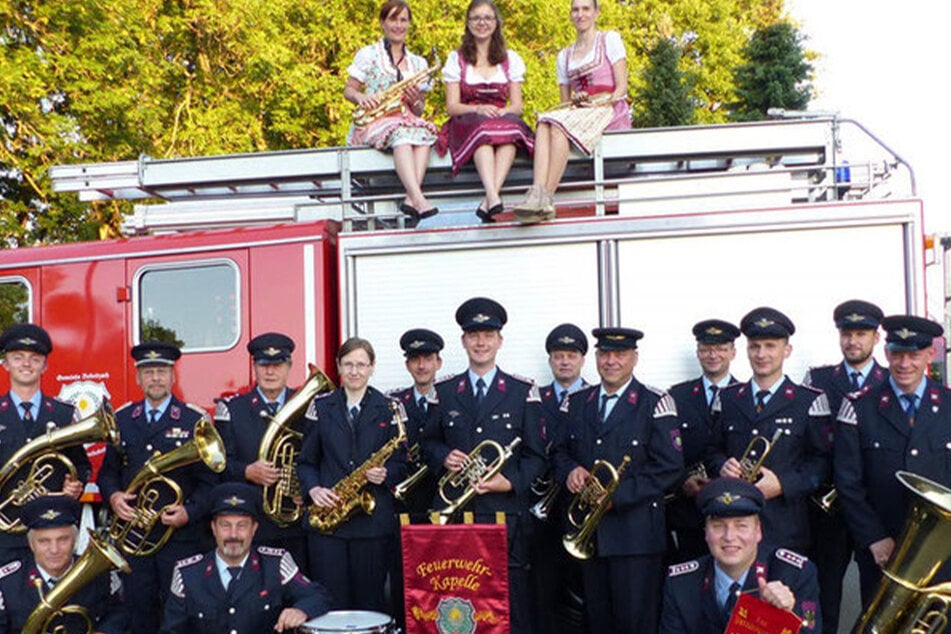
354,621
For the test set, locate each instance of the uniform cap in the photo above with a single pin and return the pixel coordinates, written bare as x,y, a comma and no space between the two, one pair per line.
271,348
481,313
235,498
730,497
715,331
50,512
566,337
26,337
766,323
856,314
420,341
616,338
155,353
908,332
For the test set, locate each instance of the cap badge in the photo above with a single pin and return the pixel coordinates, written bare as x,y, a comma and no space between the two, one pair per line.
50,514
417,344
904,333
728,498
234,500
854,318
763,322
615,337
566,339
271,352
713,330
152,354
481,318
27,341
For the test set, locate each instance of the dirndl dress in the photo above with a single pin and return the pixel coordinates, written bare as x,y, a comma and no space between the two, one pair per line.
462,135
583,126
373,68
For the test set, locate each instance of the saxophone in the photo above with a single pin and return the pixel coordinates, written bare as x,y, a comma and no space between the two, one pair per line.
390,100
350,490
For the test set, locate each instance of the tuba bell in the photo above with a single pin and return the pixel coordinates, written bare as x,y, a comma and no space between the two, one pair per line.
474,470
904,602
280,446
100,556
592,501
142,536
750,465
38,469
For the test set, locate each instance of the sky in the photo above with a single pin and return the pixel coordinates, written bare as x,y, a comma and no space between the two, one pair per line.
885,65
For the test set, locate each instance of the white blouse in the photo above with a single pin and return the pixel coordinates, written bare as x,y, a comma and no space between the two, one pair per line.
452,71
613,45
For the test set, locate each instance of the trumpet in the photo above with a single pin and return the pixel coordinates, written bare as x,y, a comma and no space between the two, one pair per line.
825,498
280,446
156,492
38,468
548,489
390,100
474,471
593,500
401,490
697,470
750,466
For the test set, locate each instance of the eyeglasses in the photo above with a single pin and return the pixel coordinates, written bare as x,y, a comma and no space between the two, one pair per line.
482,19
355,367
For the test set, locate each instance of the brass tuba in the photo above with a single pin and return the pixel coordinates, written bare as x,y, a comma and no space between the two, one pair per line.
750,465
155,492
474,470
280,446
38,469
904,602
390,99
593,500
100,556
352,488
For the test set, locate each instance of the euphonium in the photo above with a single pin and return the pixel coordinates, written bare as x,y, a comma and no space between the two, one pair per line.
143,535
280,446
474,471
593,500
749,465
390,100
100,556
351,489
904,602
38,469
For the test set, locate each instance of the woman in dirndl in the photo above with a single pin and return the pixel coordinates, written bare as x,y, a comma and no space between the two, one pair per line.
484,101
374,69
592,80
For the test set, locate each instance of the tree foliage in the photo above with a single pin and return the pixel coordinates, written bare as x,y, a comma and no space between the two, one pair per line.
108,80
775,74
665,97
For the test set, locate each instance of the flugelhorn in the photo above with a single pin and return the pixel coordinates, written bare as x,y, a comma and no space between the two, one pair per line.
143,535
351,489
592,502
390,99
38,469
475,470
100,556
750,465
280,446
904,602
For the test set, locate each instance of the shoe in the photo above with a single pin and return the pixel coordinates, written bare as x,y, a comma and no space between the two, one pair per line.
528,210
488,216
547,211
410,211
429,213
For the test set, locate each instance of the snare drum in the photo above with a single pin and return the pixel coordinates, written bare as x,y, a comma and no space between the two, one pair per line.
352,621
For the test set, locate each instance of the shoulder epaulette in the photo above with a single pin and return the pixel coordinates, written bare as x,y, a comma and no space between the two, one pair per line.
811,388
188,561
820,406
289,568
10,568
201,411
791,558
683,568
396,392
534,394
847,414
666,406
115,583
178,583
271,551
523,379
445,378
125,405
222,412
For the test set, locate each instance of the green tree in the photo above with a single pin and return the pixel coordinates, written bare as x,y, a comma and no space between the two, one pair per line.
664,99
775,74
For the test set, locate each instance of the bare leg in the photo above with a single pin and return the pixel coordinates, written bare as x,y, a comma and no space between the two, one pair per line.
421,162
404,161
542,154
484,159
557,159
504,157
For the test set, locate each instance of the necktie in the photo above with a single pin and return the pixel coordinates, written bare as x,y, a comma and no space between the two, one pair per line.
153,416
563,398
731,599
911,410
422,404
713,393
480,391
235,572
272,407
354,412
27,406
761,400
602,413
856,386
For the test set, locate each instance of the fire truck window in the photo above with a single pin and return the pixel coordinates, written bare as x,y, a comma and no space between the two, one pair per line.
14,302
195,307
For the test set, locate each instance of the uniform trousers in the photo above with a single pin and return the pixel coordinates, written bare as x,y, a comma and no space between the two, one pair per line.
623,594
147,586
831,552
353,570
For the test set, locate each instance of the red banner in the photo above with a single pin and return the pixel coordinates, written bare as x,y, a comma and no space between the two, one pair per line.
755,616
456,579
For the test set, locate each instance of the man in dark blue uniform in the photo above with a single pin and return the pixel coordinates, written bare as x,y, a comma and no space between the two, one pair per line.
857,322
242,419
715,352
158,423
485,403
794,418
699,595
52,522
26,413
901,424
239,587
558,605
617,418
